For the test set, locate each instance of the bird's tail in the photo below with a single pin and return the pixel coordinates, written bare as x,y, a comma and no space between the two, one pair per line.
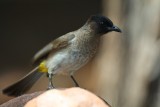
23,84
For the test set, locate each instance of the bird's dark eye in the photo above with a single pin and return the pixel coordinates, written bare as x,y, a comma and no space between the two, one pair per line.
101,23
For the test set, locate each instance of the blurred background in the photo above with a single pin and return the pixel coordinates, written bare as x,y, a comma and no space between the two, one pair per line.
125,71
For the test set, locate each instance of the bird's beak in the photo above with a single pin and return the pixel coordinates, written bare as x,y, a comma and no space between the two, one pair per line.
115,28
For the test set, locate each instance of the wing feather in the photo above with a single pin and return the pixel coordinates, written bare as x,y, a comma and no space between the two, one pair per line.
56,44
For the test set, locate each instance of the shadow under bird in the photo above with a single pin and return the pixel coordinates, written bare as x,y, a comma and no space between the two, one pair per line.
66,54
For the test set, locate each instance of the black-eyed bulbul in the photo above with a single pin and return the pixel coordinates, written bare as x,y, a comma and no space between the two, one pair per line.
66,54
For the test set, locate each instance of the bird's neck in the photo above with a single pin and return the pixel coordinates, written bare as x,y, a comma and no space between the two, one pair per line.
87,36
89,31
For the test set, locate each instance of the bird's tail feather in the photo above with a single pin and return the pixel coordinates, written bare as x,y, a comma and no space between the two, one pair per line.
23,84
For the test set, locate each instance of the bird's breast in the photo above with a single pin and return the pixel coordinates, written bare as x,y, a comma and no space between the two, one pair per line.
82,53
71,58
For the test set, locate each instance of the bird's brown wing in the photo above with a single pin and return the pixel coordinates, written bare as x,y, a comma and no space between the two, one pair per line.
55,45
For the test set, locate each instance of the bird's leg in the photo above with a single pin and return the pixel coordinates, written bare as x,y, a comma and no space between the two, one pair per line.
47,75
50,85
75,82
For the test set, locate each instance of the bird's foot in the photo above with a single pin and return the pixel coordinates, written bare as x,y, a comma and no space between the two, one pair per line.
50,87
76,85
75,82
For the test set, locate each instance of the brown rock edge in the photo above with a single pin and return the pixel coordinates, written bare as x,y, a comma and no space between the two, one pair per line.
73,96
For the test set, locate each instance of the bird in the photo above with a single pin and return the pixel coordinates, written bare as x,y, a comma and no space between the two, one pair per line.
66,54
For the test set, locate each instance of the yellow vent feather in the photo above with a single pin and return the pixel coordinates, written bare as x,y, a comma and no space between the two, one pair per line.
42,67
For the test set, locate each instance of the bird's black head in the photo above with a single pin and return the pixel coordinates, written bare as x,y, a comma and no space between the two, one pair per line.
104,24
